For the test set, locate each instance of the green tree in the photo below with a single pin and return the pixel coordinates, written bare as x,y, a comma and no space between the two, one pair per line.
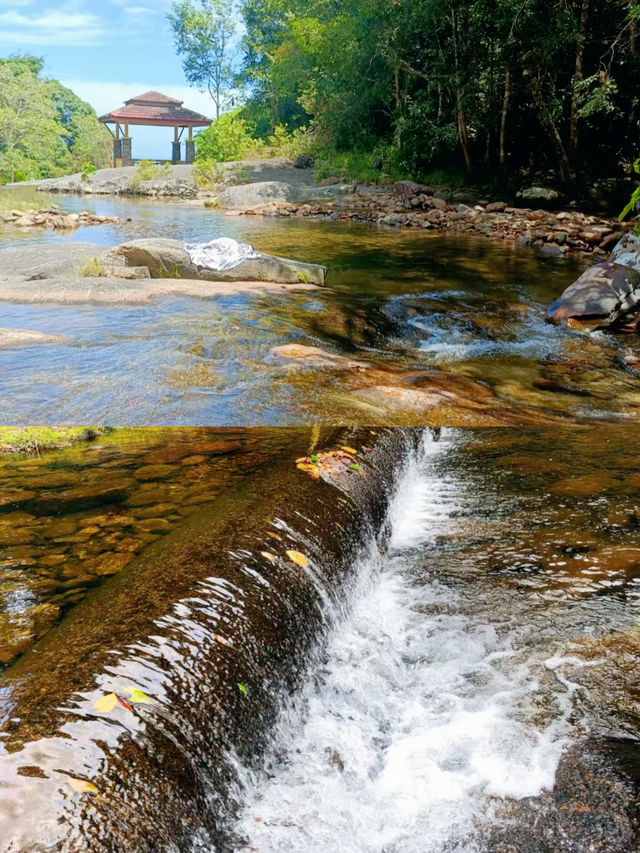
203,32
45,129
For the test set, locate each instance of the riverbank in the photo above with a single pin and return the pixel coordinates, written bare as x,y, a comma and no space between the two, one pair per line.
274,187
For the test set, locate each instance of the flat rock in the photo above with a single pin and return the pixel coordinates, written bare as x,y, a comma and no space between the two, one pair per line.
116,291
47,260
248,196
26,338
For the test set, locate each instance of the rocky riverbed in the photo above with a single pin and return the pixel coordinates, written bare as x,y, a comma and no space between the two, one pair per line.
56,218
78,516
408,205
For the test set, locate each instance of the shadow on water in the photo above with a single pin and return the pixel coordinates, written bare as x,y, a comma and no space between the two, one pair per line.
404,301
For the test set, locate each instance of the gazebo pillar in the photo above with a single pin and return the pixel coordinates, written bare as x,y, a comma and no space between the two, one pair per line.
177,148
191,147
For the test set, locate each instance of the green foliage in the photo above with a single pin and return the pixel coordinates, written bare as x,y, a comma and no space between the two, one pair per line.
635,199
228,138
489,85
289,143
148,170
203,31
45,129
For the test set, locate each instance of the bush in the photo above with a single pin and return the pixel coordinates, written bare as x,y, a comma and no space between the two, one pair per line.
355,165
209,174
228,138
290,143
147,170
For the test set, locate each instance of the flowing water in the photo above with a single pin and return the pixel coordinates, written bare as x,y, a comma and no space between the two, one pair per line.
475,656
474,688
413,305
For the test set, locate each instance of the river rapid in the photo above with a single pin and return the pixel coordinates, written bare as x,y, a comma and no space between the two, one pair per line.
420,310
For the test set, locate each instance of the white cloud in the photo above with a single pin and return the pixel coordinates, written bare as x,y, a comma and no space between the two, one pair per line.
66,25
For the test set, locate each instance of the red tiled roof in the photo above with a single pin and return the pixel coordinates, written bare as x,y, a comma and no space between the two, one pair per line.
157,110
153,98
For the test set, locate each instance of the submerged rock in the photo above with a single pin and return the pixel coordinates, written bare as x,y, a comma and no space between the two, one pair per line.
170,259
27,338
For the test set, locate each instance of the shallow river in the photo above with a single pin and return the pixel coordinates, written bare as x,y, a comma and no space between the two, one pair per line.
413,305
476,688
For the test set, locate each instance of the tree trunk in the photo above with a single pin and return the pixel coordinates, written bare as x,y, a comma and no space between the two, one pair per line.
577,77
547,120
503,120
463,134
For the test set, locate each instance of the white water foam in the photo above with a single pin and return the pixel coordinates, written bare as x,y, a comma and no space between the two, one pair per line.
414,722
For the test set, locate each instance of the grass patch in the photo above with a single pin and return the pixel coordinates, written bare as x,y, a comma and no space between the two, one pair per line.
94,268
37,439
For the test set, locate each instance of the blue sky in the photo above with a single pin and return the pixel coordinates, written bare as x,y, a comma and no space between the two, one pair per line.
106,52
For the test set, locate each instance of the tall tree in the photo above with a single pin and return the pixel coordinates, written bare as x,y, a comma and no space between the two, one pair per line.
203,33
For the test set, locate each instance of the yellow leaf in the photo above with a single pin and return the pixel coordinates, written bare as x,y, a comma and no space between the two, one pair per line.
82,787
136,695
349,450
268,556
298,558
106,703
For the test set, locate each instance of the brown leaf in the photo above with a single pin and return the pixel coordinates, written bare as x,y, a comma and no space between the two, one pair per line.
298,558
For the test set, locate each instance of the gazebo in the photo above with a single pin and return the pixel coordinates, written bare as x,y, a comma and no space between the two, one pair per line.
153,110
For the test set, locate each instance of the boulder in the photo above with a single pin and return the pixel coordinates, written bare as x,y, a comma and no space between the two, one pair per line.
304,161
604,295
627,252
169,259
248,196
541,194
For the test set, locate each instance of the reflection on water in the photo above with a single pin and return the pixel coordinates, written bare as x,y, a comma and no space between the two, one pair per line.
404,301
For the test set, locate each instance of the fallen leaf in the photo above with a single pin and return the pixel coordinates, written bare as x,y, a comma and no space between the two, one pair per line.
222,640
80,786
106,703
298,558
356,468
274,536
349,450
268,556
136,695
243,689
124,704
